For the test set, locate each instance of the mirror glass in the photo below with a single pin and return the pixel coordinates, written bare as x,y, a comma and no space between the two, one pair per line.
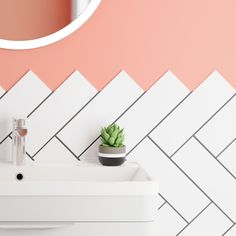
29,20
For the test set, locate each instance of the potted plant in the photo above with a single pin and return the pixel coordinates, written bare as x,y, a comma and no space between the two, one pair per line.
112,151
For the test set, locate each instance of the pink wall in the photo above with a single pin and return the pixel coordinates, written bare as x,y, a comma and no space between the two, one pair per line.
145,38
30,19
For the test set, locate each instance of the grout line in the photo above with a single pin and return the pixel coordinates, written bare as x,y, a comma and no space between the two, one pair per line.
203,125
129,107
190,222
30,156
228,229
217,112
112,122
190,179
28,114
162,205
90,100
174,209
181,146
211,154
65,125
224,213
90,145
39,105
8,136
174,108
204,146
67,147
3,94
160,121
227,146
42,147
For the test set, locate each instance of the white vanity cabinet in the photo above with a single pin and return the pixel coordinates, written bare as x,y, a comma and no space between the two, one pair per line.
88,199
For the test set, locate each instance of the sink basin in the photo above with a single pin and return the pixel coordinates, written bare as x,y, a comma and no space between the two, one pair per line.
55,196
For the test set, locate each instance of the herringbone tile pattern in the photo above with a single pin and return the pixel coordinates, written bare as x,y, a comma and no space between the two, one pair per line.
186,139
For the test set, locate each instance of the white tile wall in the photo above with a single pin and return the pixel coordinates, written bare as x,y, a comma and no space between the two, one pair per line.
231,231
220,132
184,196
55,152
21,100
150,109
57,110
214,180
108,105
187,140
211,222
209,97
168,216
227,158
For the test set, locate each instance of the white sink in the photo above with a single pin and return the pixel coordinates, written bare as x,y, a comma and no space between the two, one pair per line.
57,196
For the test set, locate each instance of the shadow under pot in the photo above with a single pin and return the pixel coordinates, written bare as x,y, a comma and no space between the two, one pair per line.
112,156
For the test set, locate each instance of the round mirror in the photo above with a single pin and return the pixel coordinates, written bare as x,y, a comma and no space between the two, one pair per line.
28,24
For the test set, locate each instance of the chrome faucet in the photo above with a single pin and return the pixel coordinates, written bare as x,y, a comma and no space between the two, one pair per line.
18,141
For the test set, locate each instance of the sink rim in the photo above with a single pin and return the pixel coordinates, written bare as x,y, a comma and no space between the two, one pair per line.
79,187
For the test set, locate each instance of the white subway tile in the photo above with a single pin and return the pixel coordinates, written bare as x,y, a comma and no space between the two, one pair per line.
92,152
149,110
55,153
6,150
210,96
58,109
20,100
220,130
169,223
160,201
228,158
174,185
231,232
211,222
109,104
207,173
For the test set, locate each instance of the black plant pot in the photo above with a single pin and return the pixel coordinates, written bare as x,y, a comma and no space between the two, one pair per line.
112,156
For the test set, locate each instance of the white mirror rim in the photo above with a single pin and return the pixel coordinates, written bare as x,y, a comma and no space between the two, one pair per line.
52,38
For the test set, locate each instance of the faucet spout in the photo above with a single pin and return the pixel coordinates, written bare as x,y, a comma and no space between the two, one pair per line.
18,141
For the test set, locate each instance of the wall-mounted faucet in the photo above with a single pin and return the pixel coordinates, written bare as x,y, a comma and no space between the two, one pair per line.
18,141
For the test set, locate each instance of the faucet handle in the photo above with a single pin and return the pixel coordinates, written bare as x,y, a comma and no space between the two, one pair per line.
19,122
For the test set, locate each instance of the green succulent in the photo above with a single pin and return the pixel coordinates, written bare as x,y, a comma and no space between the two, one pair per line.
112,136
